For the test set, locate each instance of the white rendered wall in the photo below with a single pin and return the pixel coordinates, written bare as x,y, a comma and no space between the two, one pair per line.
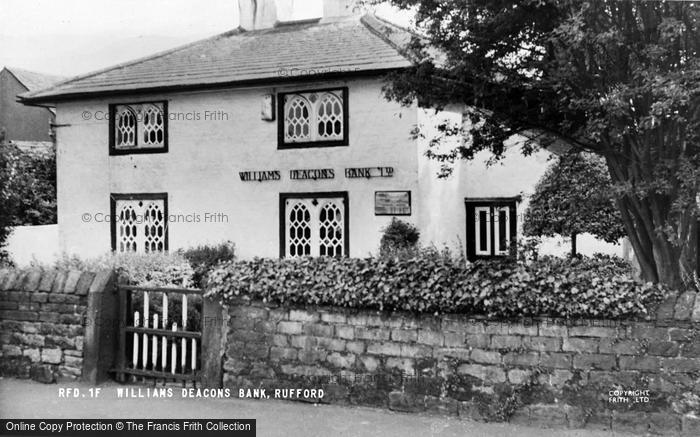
443,216
33,243
200,172
208,203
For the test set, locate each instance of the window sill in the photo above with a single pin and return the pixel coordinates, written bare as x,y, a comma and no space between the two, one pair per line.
137,151
312,144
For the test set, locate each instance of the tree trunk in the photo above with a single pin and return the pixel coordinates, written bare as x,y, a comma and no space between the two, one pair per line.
659,259
665,243
573,245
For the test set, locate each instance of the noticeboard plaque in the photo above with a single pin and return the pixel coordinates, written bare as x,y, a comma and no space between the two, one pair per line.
392,203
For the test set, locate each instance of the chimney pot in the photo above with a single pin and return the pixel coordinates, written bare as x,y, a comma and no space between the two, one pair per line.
259,14
264,14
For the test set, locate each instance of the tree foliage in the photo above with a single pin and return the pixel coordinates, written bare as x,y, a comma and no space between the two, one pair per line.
618,78
574,197
27,188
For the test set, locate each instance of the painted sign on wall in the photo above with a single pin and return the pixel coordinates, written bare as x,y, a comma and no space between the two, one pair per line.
313,174
369,172
392,203
259,176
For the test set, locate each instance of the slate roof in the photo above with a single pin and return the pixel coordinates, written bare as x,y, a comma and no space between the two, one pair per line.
32,80
330,47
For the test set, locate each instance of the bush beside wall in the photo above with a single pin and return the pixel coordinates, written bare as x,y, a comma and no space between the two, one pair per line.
42,315
153,269
540,372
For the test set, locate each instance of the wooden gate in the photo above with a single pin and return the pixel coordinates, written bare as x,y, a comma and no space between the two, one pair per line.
160,334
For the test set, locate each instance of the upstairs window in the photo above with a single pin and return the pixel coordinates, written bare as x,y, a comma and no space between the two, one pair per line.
313,119
491,227
138,128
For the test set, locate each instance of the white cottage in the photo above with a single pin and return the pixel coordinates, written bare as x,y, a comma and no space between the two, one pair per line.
276,136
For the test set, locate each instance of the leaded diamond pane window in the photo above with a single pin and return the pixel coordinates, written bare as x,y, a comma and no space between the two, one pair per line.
140,224
315,226
331,229
298,120
314,118
299,229
139,127
330,117
153,126
126,127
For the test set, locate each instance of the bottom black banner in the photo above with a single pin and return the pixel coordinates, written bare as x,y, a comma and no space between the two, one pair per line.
128,427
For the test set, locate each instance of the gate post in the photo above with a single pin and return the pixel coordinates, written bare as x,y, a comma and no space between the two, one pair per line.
101,329
214,322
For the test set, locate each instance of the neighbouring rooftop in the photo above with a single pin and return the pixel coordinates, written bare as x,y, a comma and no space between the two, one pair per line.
32,80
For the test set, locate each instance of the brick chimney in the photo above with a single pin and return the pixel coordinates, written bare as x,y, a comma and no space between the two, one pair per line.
263,14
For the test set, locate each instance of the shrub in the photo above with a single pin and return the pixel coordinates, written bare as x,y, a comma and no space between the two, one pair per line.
156,269
204,258
5,260
27,189
398,238
433,282
574,196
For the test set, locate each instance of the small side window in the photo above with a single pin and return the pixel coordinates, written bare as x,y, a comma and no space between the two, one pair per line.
491,228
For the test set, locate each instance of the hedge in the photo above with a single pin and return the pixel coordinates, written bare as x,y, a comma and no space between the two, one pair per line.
433,283
152,269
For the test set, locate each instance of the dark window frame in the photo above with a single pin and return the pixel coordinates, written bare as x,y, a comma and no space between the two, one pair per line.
282,144
495,202
113,197
136,150
311,195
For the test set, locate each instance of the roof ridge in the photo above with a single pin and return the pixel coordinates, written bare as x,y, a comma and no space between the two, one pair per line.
365,20
283,26
156,55
398,26
435,53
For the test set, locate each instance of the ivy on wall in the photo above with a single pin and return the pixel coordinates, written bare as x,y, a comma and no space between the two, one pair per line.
431,282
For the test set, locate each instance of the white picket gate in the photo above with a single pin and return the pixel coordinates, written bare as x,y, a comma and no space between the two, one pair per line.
158,340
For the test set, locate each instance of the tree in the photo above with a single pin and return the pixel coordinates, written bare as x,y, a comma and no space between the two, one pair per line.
27,189
8,202
573,197
620,79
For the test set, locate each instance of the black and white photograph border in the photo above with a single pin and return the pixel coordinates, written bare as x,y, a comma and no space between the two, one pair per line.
350,217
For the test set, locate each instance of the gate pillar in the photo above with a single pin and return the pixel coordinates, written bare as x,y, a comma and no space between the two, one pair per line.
101,328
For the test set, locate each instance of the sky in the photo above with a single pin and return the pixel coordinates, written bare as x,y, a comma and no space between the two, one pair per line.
71,37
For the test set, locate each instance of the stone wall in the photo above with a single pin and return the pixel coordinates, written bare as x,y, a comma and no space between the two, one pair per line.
43,321
545,372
